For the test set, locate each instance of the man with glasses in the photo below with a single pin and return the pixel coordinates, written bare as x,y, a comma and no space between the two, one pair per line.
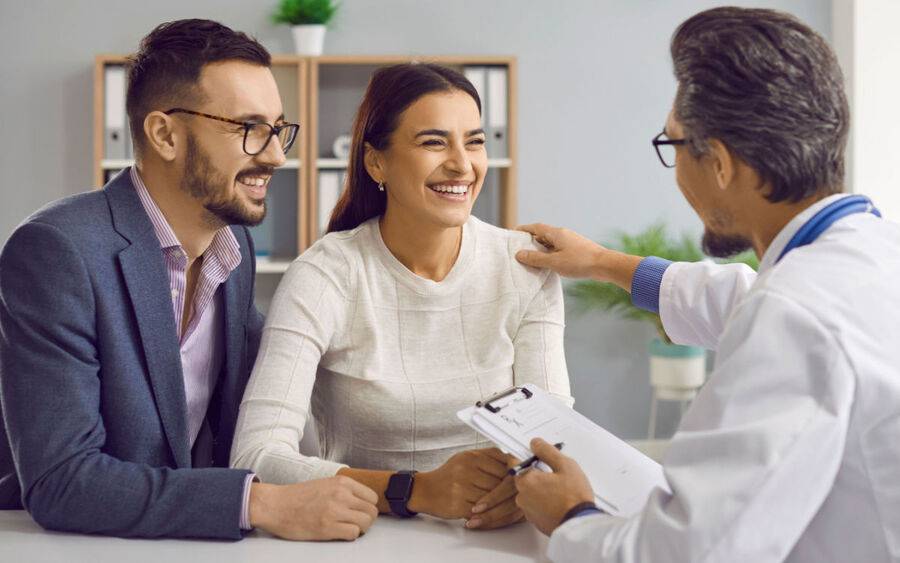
128,323
789,452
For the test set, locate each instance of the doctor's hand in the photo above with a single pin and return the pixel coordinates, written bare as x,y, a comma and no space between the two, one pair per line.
337,508
451,490
546,497
574,256
498,508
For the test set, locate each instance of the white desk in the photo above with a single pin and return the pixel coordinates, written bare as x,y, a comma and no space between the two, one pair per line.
420,540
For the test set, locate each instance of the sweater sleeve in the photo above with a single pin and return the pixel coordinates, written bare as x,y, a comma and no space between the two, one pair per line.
306,311
539,354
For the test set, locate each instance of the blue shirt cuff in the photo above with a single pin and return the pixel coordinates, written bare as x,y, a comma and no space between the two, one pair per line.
587,511
645,284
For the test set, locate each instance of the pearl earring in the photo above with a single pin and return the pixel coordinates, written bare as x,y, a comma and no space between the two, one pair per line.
380,186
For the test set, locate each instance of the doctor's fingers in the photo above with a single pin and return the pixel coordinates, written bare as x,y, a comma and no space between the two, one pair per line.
546,452
544,234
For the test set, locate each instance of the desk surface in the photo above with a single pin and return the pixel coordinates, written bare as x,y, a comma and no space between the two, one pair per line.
388,540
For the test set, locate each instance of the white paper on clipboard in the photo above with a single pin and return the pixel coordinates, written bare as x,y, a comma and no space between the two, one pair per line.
621,476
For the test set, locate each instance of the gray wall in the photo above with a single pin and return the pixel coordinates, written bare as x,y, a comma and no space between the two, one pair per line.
595,86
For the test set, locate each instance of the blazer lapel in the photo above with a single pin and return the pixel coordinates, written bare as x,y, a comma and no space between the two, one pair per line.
235,373
145,276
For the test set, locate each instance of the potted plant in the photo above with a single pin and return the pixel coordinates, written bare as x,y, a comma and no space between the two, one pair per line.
307,19
676,371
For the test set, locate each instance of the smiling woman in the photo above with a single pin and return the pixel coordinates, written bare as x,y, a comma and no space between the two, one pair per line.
409,310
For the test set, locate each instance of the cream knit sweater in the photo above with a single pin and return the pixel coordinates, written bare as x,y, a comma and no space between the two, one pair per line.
383,359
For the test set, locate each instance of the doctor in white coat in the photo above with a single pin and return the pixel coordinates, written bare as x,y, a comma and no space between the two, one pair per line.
791,451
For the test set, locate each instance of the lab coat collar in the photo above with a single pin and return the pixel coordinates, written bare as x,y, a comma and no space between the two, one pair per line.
784,236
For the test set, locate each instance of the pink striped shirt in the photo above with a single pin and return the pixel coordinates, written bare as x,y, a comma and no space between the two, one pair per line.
202,342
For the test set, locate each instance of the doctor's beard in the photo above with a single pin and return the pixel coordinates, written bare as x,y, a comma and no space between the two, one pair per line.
720,245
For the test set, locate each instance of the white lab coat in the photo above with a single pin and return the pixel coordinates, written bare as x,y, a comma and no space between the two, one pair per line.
791,451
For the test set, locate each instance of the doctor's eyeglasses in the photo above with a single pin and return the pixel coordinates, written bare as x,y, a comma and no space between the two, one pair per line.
257,134
665,148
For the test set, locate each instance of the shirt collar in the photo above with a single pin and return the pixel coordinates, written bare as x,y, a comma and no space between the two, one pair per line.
784,236
224,245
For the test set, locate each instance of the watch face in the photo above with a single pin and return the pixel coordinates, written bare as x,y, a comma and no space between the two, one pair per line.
399,486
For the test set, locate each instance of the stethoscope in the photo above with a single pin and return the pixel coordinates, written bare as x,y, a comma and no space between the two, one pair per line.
828,216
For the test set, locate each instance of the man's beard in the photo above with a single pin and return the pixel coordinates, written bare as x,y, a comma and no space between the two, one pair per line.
719,245
204,183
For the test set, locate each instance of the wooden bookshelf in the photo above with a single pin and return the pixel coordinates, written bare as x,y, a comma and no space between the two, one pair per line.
306,157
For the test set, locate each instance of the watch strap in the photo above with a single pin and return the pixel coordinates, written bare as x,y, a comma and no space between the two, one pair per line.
399,505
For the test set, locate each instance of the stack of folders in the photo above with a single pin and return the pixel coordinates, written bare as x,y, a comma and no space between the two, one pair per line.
621,476
491,84
117,134
331,183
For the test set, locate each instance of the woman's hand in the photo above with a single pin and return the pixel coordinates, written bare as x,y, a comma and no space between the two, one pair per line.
453,489
498,508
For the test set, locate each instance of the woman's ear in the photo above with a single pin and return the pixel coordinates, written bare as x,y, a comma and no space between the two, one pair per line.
374,163
723,162
160,135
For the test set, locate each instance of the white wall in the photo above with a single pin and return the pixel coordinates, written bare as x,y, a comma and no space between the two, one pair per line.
868,46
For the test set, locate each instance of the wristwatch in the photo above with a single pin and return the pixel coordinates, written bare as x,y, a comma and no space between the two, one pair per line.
399,491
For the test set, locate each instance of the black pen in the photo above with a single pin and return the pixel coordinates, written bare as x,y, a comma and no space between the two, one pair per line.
530,461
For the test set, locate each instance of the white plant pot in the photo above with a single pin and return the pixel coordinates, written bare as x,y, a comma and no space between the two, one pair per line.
309,39
676,372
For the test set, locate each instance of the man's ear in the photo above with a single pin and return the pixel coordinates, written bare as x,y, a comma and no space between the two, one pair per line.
161,137
374,163
724,163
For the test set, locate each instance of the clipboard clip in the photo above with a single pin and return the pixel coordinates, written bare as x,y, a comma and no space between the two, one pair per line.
501,395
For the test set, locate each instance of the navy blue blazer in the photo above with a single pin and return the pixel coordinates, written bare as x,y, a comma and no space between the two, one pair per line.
91,384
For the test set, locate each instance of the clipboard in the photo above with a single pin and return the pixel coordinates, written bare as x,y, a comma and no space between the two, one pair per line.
621,476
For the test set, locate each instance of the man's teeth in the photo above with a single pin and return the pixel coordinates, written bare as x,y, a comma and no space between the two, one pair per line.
451,189
253,181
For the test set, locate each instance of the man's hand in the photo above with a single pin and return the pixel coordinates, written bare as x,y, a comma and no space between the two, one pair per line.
498,508
546,497
451,490
574,256
337,508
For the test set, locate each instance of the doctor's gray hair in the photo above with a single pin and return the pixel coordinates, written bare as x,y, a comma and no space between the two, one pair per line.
771,89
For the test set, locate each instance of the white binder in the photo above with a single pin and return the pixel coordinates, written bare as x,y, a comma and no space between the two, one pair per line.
115,141
621,476
497,93
329,193
477,75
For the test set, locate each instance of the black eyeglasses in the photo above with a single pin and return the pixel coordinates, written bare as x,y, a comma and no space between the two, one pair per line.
665,148
257,134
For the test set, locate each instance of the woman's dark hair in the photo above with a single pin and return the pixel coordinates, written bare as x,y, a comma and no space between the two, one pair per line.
771,89
391,90
165,70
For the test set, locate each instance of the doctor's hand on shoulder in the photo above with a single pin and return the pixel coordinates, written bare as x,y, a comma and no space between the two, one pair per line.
545,498
574,256
336,508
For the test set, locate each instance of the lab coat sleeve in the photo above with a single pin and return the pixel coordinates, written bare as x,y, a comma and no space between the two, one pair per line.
696,299
755,457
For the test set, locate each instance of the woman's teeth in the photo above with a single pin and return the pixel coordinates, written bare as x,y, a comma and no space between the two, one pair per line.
450,189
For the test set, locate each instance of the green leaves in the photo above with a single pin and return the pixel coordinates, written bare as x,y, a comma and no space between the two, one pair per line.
305,12
655,241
